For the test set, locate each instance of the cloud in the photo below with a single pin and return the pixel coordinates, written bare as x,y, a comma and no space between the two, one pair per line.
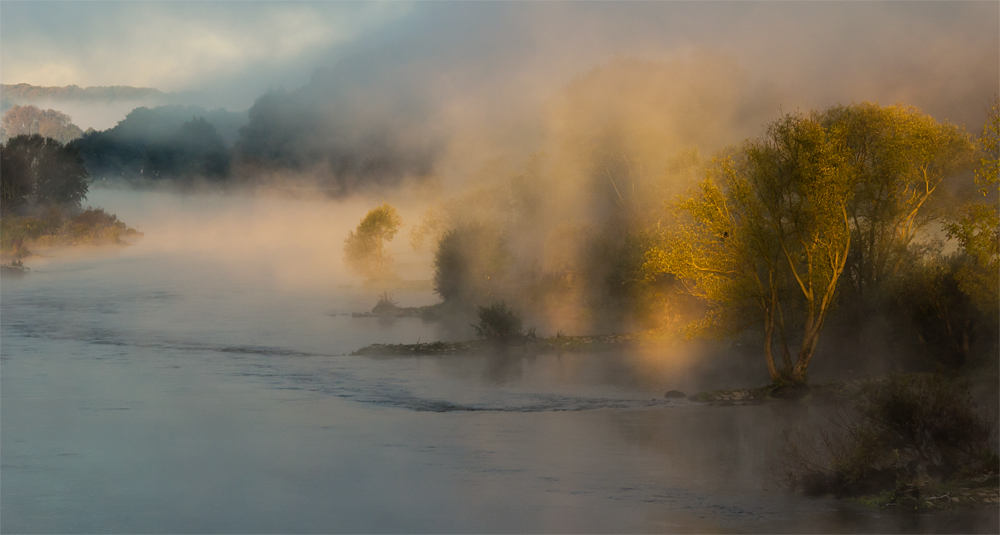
173,46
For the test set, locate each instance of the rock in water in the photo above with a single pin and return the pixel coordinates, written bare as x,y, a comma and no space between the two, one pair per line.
674,394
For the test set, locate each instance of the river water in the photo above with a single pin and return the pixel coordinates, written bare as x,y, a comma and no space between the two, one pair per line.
200,381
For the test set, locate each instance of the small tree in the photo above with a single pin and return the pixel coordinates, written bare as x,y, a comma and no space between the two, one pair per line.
364,249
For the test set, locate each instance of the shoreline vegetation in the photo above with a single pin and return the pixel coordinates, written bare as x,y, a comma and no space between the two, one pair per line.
42,187
21,237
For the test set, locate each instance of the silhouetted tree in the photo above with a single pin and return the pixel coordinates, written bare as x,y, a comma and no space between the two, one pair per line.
15,180
471,264
274,131
41,171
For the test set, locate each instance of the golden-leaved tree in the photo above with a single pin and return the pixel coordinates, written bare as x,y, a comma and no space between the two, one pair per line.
899,157
765,238
364,248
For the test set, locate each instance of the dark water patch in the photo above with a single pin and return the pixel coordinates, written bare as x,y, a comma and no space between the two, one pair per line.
111,337
387,392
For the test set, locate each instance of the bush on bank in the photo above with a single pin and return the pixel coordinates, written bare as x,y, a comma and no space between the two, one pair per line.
918,432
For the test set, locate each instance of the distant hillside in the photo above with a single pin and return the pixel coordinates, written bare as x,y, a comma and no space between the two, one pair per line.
21,93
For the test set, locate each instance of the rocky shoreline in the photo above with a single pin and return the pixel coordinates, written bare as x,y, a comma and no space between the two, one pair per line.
824,392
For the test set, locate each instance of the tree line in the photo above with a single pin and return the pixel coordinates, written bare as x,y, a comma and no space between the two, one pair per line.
283,132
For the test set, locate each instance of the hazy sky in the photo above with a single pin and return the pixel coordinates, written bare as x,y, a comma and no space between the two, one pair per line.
177,46
943,57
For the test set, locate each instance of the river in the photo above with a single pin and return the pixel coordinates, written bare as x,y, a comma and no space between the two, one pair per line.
200,381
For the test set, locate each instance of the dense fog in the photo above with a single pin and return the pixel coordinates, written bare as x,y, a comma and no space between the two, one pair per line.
545,267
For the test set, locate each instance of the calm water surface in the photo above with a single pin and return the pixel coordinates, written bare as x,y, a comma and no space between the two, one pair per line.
154,389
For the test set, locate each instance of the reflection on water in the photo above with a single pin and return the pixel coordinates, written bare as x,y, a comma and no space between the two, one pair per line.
151,391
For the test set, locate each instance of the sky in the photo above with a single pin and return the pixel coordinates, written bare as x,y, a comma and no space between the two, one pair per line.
178,46
941,56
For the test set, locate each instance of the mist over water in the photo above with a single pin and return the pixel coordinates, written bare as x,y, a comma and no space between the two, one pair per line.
200,381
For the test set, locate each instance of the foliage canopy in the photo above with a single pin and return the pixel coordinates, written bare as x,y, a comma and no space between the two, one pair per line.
897,157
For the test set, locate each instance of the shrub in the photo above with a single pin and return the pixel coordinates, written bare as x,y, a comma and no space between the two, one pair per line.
385,304
930,420
900,428
498,322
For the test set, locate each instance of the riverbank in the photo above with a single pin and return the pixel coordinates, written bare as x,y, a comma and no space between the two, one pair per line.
601,342
832,392
968,493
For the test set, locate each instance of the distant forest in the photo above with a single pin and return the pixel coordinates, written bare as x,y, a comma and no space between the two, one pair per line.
166,142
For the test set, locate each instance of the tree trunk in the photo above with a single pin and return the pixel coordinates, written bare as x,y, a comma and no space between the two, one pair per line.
768,354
